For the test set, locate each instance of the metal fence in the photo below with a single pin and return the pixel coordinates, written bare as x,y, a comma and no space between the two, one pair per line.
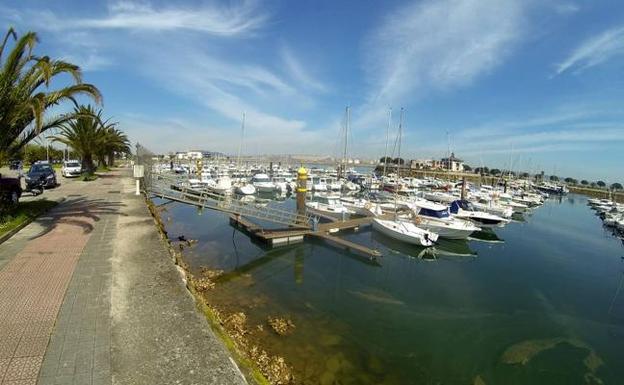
159,181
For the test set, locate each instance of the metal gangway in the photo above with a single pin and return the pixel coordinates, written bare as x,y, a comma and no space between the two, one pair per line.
171,187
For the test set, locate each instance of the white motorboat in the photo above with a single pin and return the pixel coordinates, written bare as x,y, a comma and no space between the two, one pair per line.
280,183
405,231
437,218
357,205
222,186
491,207
319,184
262,183
245,189
441,197
329,206
465,210
349,186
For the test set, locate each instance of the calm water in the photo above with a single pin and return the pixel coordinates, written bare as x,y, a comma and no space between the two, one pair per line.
544,305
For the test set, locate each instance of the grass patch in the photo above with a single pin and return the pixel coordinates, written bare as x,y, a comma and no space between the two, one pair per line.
23,212
88,177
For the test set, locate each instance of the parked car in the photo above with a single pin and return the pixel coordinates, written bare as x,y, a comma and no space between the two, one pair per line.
71,168
15,165
10,191
40,174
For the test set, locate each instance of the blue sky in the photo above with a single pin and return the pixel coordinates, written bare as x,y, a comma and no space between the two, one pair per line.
539,84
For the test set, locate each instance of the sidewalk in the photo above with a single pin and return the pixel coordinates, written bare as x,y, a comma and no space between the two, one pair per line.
89,295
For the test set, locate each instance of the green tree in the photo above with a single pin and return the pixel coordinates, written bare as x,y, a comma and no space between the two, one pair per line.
85,133
467,168
35,152
584,182
113,142
495,172
385,159
26,94
554,178
616,186
524,175
400,161
601,184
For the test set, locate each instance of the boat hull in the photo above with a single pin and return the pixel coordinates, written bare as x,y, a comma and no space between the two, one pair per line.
394,230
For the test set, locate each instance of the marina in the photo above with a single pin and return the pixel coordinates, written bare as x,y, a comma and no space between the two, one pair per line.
332,275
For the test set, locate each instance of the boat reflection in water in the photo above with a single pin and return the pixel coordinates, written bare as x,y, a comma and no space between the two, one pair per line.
442,248
486,235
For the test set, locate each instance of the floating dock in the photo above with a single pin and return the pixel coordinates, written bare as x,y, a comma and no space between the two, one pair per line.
287,236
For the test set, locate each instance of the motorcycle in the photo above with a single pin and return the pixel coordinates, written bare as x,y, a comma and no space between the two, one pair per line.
36,187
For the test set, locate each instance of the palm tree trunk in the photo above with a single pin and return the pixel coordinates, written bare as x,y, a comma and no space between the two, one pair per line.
87,163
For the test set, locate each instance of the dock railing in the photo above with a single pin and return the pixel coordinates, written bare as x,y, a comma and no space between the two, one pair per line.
161,183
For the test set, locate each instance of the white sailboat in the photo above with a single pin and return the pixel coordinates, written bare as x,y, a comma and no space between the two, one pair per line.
402,229
242,186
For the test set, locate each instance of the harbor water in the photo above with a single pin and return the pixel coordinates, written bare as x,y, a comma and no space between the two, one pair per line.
539,301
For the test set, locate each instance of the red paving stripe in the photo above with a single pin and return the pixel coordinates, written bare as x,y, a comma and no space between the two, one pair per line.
32,287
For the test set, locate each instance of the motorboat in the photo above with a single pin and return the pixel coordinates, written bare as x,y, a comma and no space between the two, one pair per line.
245,189
280,183
328,206
437,218
405,231
465,210
319,184
359,206
491,207
440,197
262,183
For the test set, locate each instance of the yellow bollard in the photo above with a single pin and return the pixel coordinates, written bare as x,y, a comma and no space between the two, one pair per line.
302,189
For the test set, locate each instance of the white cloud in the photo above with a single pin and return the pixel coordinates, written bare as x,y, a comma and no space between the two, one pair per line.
594,51
299,73
241,19
435,45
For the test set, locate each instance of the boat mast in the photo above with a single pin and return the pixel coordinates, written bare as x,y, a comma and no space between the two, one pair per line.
346,140
398,180
387,138
240,144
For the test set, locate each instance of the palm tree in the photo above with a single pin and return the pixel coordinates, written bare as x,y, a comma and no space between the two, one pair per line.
25,93
85,133
113,141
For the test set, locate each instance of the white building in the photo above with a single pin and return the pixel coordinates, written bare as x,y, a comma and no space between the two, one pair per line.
452,163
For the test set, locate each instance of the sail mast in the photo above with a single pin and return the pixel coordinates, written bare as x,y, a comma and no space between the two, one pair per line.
398,183
387,138
240,144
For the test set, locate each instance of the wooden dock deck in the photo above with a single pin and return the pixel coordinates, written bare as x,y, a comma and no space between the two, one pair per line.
281,237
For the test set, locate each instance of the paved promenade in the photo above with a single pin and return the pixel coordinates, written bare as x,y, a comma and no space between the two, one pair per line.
89,295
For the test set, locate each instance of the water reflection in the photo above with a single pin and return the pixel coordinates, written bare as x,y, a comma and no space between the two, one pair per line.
486,235
542,297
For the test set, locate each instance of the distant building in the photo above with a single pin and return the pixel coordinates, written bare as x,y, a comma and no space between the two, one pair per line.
425,164
452,163
192,155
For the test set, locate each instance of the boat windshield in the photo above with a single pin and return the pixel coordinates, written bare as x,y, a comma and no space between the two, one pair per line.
434,213
261,179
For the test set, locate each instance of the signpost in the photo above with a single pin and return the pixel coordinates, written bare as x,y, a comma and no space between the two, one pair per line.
139,172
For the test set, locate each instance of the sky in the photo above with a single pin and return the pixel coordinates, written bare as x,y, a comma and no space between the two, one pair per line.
528,84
